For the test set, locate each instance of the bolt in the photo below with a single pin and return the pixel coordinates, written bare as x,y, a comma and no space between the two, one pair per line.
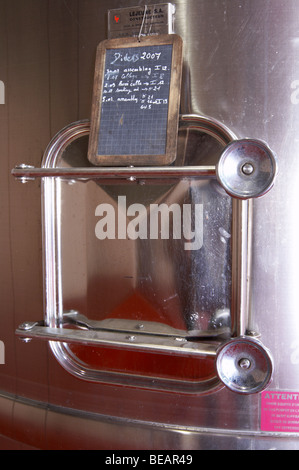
25,340
24,179
25,326
247,169
131,338
244,363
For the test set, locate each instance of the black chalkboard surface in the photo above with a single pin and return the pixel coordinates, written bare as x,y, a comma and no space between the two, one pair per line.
135,107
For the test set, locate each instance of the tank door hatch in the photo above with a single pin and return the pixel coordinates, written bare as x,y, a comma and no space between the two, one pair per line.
147,269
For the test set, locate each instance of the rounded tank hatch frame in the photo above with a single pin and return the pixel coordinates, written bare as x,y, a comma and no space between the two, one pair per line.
206,351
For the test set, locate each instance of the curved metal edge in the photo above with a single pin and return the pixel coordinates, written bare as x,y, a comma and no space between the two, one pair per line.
63,138
209,125
34,424
73,367
192,121
69,133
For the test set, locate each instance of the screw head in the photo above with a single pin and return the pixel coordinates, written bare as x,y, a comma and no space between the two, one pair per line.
244,363
247,169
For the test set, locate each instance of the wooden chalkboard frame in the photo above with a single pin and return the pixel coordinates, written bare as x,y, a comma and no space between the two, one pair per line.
173,102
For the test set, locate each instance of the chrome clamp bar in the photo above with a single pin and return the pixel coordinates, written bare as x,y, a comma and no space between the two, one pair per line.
27,173
162,343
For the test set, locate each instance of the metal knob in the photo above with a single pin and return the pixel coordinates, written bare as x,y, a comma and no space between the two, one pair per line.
244,365
246,168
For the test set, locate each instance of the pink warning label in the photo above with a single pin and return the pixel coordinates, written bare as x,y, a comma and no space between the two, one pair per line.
280,411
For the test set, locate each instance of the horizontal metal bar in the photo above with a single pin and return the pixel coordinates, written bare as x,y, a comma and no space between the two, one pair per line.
26,173
149,343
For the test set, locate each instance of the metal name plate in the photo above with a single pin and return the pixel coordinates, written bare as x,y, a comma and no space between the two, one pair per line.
141,21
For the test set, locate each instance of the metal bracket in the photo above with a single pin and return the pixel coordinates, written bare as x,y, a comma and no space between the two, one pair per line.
124,336
243,364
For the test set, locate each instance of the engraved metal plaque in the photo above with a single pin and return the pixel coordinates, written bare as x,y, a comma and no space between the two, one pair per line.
141,20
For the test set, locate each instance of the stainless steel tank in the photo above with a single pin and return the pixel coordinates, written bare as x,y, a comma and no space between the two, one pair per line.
130,386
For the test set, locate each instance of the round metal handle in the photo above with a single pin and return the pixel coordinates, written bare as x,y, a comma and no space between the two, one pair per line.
246,168
244,365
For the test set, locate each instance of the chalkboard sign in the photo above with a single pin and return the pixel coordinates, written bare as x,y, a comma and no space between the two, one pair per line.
135,107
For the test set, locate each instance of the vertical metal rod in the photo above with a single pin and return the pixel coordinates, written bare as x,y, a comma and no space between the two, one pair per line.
241,265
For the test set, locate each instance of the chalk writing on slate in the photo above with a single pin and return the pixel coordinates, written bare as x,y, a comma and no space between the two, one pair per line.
135,109
135,101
